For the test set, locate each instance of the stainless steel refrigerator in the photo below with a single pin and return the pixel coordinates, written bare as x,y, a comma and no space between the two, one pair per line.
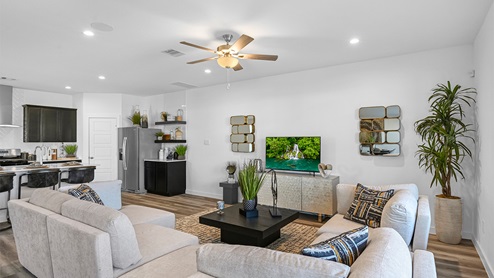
135,144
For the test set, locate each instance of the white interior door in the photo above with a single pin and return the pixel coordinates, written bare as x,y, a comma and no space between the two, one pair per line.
103,150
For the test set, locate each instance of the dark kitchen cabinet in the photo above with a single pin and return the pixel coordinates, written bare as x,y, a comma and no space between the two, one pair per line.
165,178
49,124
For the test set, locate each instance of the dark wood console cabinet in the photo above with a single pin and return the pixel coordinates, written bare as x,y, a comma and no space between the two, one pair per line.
165,177
49,124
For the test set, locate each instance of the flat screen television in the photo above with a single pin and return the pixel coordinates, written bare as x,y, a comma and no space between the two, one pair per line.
293,153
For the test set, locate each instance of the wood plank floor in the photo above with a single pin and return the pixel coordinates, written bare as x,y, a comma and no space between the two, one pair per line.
451,260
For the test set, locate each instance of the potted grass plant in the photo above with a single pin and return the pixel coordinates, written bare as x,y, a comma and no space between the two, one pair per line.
135,119
159,135
250,182
443,133
70,150
181,150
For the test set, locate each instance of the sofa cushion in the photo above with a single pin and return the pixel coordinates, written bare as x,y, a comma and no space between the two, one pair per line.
141,215
344,248
108,191
123,241
86,193
367,206
346,192
222,260
400,213
337,224
49,199
386,256
156,241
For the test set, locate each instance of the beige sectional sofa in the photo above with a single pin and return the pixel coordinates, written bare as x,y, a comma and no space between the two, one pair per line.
60,236
57,235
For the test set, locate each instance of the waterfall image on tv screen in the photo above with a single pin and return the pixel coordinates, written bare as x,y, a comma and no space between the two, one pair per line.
293,153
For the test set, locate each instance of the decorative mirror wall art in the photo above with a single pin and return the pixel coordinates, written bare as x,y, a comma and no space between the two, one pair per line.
380,130
242,137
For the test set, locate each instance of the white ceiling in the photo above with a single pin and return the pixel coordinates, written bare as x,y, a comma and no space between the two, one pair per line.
43,48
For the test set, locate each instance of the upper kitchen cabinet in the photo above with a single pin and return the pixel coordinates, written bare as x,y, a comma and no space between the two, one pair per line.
49,124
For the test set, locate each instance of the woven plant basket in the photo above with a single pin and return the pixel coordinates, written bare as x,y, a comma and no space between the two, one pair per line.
448,217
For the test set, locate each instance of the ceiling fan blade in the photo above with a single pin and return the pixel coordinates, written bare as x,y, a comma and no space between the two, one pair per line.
241,43
237,67
202,60
258,57
198,46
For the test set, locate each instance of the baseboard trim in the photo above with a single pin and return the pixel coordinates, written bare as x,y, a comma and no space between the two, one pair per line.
464,235
204,194
485,262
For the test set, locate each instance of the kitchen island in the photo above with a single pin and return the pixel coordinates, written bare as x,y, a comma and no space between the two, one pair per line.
18,170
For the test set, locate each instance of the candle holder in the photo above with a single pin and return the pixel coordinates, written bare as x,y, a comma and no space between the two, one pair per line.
220,205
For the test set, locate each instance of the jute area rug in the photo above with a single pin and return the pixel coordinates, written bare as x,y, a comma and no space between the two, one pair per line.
293,238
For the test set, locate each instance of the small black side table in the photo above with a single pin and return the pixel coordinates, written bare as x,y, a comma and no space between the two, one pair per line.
230,192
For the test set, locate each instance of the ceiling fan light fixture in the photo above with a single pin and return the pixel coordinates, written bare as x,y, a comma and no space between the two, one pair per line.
227,62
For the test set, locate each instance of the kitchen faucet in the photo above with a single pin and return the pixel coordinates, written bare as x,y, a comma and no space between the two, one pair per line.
39,158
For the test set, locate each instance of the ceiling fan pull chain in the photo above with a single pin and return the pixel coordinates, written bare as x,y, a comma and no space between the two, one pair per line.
227,79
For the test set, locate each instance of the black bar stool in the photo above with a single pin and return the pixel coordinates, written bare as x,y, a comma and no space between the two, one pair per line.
80,174
6,185
40,178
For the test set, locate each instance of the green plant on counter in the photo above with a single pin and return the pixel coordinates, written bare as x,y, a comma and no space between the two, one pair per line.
70,149
181,149
135,118
159,134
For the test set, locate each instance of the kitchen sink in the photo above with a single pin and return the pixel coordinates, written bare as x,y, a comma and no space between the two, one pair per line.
36,166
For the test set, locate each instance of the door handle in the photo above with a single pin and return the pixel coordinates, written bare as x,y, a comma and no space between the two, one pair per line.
124,154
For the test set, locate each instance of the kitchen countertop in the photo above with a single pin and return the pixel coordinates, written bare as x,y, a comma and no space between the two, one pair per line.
24,168
167,160
59,160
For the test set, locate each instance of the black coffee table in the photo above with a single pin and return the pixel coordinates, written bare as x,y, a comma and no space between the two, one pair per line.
258,231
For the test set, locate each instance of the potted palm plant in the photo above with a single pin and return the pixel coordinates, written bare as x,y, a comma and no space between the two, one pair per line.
443,149
250,182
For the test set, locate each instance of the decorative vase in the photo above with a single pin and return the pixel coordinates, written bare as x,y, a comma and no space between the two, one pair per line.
249,204
159,137
181,157
448,217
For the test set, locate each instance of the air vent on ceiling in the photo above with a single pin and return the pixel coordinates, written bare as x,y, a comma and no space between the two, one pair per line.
7,78
184,85
173,52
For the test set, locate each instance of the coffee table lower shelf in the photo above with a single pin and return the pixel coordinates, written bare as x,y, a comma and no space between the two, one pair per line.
258,231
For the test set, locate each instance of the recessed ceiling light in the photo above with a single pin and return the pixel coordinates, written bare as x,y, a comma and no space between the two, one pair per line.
207,71
101,77
68,87
88,33
354,41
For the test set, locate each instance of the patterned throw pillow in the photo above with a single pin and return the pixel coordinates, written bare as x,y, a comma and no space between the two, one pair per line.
367,206
84,192
344,248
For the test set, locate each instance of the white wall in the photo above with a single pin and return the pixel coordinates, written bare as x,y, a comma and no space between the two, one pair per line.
325,102
484,82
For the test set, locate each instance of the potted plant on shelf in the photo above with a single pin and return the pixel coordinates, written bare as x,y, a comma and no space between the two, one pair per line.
442,152
70,150
181,150
159,135
135,118
250,182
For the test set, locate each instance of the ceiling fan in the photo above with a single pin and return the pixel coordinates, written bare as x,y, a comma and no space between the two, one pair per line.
228,54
